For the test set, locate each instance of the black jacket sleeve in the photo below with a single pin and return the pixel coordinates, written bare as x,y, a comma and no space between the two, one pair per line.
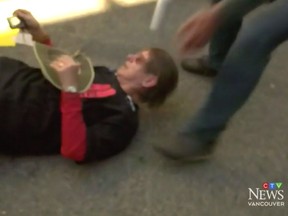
110,137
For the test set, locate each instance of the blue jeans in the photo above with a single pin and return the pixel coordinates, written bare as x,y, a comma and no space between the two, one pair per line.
240,59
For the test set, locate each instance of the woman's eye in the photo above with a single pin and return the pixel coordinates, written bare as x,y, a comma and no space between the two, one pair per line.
138,60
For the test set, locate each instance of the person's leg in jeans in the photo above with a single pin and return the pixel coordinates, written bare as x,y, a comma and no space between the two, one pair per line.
222,40
218,48
236,80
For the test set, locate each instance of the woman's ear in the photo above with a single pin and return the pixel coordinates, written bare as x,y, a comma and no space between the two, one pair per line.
150,81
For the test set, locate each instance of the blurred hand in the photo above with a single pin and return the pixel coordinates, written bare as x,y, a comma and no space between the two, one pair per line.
31,24
67,70
196,32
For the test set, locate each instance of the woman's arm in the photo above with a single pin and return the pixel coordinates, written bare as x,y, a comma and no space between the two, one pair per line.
73,128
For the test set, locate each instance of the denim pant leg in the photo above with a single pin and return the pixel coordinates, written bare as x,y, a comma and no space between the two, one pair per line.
241,71
222,40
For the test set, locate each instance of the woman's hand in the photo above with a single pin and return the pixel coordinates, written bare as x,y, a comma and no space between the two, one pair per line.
67,70
31,25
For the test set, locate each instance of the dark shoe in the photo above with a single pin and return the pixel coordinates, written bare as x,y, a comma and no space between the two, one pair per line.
198,66
188,149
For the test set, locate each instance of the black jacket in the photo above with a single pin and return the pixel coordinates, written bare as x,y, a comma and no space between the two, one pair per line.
30,117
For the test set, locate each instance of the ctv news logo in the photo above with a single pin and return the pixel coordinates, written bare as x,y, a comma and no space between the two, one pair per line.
270,194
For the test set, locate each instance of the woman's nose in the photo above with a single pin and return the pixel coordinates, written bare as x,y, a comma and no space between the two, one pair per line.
130,57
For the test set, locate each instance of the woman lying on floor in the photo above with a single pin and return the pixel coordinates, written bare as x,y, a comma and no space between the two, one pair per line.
37,119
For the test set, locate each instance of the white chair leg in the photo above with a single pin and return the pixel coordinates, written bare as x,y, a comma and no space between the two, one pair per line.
158,15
